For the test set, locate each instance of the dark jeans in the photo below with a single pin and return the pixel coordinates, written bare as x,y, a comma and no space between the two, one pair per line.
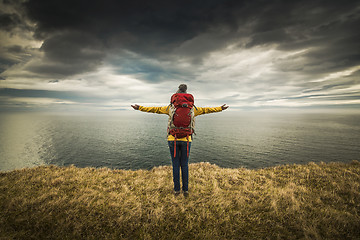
180,161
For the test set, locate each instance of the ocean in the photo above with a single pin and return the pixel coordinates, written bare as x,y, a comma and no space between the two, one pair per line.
136,140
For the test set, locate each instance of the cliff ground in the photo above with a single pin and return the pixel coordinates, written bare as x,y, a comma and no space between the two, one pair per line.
313,201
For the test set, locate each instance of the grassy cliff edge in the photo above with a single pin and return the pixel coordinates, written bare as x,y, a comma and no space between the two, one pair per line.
313,201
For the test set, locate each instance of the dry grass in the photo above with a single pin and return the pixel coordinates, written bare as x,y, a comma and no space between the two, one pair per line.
313,201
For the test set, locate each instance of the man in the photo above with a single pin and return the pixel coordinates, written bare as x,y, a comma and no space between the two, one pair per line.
179,147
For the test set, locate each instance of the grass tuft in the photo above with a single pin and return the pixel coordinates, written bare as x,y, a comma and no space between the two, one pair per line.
313,201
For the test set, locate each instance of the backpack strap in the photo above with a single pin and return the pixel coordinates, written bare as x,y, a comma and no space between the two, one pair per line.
171,116
175,145
187,147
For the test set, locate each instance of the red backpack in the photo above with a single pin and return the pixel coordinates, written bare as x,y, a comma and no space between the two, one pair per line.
181,122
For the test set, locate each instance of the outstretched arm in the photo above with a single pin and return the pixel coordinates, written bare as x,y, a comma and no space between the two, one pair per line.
205,110
159,110
136,107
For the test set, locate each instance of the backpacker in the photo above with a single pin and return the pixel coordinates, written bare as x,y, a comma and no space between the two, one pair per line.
181,120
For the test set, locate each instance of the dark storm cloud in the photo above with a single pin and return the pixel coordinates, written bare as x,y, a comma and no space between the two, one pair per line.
176,21
328,29
302,22
79,35
337,54
149,28
13,19
5,63
68,54
158,28
9,21
15,49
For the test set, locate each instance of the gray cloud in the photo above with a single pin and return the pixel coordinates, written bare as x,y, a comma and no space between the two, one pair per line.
72,47
5,63
15,49
68,54
9,21
12,16
161,41
160,28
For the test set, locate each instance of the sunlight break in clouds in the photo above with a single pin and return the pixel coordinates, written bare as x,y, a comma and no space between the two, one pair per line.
340,74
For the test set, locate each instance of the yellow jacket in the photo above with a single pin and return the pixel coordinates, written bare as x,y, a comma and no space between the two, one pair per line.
165,110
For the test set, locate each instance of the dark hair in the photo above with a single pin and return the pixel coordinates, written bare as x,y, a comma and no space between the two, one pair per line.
182,88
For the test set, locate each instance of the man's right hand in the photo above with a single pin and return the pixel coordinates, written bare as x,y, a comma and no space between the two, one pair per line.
136,107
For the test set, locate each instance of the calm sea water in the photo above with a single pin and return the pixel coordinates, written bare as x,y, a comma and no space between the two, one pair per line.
135,140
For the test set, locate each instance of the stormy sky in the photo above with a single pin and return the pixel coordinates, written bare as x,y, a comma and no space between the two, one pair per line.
71,55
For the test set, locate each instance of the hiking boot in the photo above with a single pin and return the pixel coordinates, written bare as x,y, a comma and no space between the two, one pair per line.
186,193
177,193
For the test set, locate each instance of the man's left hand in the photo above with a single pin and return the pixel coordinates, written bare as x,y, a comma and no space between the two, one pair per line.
224,107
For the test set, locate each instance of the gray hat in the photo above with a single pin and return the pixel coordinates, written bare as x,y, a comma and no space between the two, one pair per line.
182,88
